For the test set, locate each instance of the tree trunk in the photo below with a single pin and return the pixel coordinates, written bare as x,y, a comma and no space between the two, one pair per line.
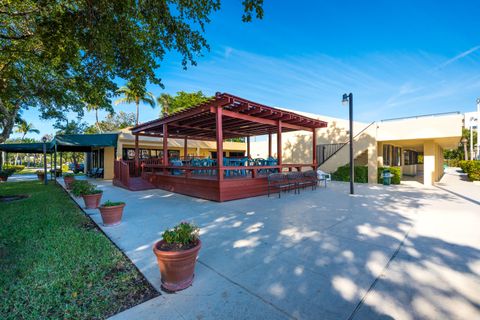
96,121
137,103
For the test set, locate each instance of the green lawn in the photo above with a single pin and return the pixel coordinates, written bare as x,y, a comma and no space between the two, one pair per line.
55,263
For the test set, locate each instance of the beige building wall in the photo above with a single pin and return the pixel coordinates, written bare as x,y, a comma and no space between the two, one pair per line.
108,159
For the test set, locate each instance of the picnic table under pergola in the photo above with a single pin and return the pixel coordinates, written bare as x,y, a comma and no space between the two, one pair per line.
223,117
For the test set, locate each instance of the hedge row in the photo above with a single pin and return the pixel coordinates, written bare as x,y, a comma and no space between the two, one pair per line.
343,174
16,168
396,171
452,162
471,168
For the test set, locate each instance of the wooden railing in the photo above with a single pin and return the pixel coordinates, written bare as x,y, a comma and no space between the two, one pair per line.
121,170
228,171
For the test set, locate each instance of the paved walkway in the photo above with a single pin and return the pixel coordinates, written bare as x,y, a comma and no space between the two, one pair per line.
398,252
456,182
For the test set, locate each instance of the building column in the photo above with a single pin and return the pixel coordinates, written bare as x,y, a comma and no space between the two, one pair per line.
373,163
137,156
185,148
165,147
269,145
428,163
314,147
219,128
279,143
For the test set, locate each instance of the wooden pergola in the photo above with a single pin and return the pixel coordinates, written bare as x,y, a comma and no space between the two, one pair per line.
223,117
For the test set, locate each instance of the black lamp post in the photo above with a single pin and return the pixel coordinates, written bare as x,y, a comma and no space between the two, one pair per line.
349,98
45,175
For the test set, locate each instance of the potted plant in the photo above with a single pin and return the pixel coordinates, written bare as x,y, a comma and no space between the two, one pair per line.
90,194
4,174
176,256
68,178
111,212
40,175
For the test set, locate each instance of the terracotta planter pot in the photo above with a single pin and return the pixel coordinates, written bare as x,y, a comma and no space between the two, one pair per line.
111,216
3,179
176,267
41,176
92,201
68,182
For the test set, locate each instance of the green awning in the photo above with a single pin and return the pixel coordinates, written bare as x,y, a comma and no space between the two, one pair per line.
66,142
26,147
84,142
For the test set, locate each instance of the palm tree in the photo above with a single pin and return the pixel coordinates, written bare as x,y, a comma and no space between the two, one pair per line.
24,128
131,95
94,107
165,101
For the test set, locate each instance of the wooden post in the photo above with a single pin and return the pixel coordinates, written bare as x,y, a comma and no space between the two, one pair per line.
219,128
185,148
137,156
55,165
165,147
248,147
61,161
269,145
279,143
314,145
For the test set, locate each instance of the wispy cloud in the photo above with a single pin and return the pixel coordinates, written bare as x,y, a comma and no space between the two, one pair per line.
458,57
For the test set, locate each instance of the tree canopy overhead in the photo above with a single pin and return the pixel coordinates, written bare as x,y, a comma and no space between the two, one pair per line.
59,55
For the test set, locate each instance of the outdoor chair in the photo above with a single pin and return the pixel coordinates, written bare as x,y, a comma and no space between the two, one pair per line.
92,172
277,182
323,176
99,173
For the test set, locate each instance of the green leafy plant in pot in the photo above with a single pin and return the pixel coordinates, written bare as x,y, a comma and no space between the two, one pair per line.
111,213
68,178
40,175
176,256
5,173
89,192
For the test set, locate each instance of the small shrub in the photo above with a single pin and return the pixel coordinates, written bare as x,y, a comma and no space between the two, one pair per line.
452,162
15,168
40,172
182,236
395,171
83,187
343,174
6,172
471,168
68,175
109,203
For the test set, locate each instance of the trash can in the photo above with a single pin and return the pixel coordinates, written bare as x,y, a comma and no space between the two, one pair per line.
387,177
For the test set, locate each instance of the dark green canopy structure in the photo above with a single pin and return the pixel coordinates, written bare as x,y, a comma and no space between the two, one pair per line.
26,147
84,142
65,142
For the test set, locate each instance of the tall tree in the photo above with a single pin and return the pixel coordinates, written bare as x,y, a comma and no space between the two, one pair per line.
114,122
25,128
180,101
137,95
58,54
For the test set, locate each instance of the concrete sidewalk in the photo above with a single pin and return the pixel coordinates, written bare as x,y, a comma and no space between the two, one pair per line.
397,252
456,182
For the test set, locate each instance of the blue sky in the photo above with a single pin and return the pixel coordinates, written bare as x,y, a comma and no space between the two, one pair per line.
399,58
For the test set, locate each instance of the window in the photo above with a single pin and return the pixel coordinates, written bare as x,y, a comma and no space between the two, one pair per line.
238,154
214,154
129,153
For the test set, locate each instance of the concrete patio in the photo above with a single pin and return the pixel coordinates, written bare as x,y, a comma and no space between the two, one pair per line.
399,252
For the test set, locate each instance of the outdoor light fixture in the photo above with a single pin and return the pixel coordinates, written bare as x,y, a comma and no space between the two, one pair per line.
349,98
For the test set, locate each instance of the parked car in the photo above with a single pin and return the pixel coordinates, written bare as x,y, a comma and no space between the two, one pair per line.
80,167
